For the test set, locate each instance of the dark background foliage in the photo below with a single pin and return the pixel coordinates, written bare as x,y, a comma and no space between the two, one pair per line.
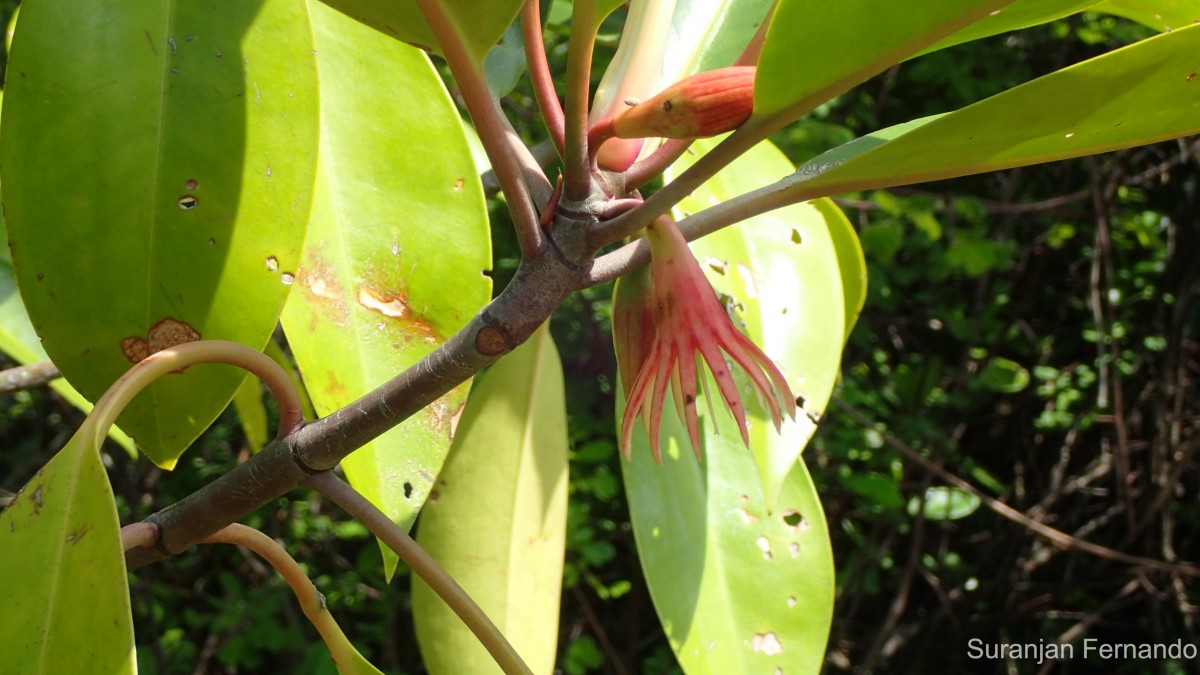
1031,332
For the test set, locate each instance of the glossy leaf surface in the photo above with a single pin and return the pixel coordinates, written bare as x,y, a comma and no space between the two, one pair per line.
816,50
480,23
252,414
1019,14
782,274
20,341
396,250
738,588
710,34
1163,15
66,598
498,522
151,170
851,263
1143,93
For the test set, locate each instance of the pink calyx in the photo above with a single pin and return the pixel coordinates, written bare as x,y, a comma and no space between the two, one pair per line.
688,318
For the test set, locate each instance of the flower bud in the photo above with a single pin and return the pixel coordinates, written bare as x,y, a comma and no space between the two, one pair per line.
704,104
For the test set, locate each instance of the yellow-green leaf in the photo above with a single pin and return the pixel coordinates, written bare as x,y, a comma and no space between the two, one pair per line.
396,252
1163,15
738,587
1143,93
62,571
816,50
480,23
497,520
783,274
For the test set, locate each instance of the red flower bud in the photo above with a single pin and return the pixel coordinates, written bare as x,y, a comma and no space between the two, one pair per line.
705,104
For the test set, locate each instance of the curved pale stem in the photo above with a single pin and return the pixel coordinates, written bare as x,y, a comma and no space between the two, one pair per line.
424,565
139,535
176,358
312,603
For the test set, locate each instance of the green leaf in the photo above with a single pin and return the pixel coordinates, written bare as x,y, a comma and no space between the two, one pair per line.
1143,93
817,50
851,263
66,596
506,63
944,503
480,23
150,170
19,340
879,488
253,414
396,251
1019,14
498,521
1162,15
710,34
783,274
738,588
1003,375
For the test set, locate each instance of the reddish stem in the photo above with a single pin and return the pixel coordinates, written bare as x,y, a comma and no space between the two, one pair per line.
645,169
539,73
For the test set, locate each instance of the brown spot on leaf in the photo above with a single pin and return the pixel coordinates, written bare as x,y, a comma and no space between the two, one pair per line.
37,501
135,349
458,185
321,285
78,534
163,335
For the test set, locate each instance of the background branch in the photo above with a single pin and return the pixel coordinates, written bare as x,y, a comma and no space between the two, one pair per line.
1057,537
28,377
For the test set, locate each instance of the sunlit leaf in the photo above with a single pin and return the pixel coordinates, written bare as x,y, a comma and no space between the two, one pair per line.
396,251
62,573
480,23
710,34
738,588
1162,15
1019,14
851,263
816,50
498,521
156,156
782,274
253,415
1143,93
20,341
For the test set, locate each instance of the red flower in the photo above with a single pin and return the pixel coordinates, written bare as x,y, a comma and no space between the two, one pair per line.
687,318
